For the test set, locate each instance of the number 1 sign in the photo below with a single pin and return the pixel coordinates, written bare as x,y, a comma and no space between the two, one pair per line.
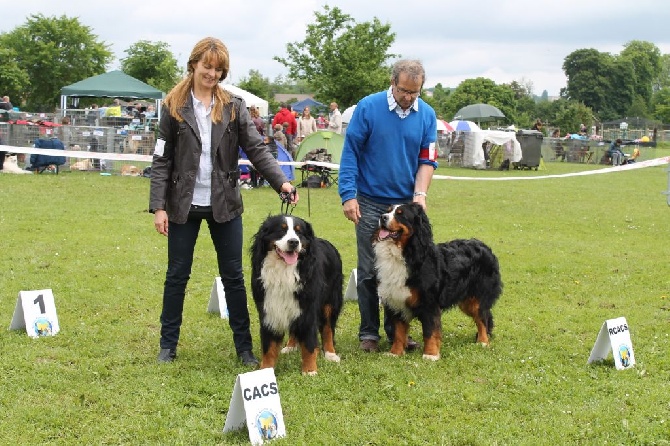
36,312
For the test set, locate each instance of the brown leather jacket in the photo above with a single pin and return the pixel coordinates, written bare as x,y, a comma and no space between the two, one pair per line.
173,171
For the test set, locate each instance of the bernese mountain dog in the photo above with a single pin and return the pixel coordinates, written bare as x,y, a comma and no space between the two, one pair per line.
296,281
419,279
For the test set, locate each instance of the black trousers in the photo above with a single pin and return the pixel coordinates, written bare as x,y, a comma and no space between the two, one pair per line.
227,238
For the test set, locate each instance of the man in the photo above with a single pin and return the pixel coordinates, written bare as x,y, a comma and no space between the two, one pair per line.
334,119
285,115
389,157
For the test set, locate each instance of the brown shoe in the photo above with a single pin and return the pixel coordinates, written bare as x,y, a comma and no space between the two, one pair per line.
369,345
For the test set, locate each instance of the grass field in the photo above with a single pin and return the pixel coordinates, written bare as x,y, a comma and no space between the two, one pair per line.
574,252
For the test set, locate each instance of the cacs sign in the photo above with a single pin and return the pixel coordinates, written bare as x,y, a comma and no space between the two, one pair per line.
255,403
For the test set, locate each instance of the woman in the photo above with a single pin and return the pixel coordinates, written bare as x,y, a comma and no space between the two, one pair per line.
306,124
194,177
258,122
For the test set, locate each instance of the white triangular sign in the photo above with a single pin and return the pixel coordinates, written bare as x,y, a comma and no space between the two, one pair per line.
351,293
255,402
217,299
35,312
614,336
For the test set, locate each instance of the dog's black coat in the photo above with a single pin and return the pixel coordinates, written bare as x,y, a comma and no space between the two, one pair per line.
318,278
439,276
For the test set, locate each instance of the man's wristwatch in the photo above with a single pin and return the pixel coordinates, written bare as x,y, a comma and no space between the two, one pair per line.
420,194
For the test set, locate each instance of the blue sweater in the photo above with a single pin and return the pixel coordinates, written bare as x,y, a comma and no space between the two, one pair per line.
380,157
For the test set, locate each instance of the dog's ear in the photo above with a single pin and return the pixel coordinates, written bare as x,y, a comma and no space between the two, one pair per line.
308,231
258,248
423,232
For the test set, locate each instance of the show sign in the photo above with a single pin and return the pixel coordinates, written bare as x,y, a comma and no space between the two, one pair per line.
352,293
615,336
217,299
35,312
255,403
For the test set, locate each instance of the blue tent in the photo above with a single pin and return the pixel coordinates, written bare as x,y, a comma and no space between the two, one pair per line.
282,155
309,102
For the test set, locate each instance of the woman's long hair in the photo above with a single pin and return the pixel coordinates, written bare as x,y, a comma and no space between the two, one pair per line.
213,52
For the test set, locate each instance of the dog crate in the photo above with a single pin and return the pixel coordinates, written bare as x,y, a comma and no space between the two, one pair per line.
531,149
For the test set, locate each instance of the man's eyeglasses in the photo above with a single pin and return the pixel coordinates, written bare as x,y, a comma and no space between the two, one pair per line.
404,92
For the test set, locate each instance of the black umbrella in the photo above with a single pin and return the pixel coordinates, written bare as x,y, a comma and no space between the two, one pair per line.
479,113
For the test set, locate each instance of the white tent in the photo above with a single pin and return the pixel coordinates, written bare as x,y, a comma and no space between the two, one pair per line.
473,155
249,98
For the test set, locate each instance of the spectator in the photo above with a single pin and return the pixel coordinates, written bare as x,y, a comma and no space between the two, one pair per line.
258,122
538,125
6,104
389,157
114,110
306,124
321,122
334,119
284,115
92,115
615,153
279,135
194,177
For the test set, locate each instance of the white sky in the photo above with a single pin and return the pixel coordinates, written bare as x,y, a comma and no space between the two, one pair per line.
503,40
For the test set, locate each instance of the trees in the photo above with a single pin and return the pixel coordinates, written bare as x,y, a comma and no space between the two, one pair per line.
645,59
152,63
53,52
14,80
341,60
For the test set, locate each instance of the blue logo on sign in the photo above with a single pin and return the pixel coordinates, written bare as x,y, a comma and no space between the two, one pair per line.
266,423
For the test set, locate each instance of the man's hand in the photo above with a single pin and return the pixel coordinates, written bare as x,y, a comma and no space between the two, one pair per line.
351,210
421,199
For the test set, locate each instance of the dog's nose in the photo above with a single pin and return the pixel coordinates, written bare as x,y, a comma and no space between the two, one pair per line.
293,243
384,219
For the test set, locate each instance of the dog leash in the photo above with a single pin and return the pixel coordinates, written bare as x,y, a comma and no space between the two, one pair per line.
286,199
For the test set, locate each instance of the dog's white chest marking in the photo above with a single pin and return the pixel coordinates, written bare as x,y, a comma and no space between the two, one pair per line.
392,276
281,282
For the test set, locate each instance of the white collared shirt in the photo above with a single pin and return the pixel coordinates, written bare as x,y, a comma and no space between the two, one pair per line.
393,105
202,194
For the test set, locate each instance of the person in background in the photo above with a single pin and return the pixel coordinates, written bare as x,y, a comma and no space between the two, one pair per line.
194,178
6,104
537,125
258,122
388,158
114,110
321,122
334,119
285,116
306,124
278,134
615,153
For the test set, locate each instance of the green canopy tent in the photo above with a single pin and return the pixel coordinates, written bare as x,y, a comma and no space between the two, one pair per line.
323,139
114,84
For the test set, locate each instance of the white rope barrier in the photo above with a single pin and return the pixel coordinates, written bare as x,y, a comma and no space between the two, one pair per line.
147,158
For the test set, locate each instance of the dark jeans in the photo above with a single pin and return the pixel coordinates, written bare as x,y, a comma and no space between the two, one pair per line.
227,238
368,299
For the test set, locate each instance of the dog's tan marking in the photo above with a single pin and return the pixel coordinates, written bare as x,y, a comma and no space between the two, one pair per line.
470,307
308,360
291,345
432,344
414,299
269,359
327,333
400,338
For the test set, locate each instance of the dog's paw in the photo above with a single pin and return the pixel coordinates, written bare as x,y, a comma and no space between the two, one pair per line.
431,357
391,354
310,373
484,344
289,349
331,356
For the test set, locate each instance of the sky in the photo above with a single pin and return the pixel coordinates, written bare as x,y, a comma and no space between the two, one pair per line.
503,40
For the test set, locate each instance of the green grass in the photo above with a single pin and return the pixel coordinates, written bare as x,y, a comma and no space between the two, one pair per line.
573,251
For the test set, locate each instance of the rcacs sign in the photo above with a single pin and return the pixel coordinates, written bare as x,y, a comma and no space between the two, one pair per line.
615,336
